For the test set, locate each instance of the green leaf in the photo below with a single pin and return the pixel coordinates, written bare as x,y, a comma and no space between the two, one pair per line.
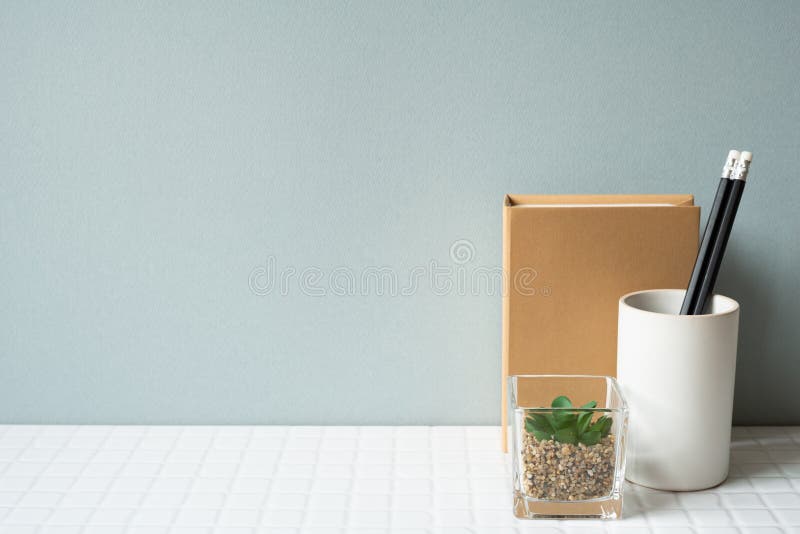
590,438
561,402
589,405
606,426
529,426
602,425
564,420
566,435
583,422
542,436
539,422
598,425
552,420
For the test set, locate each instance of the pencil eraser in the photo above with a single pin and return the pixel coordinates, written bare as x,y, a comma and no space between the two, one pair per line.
747,156
733,154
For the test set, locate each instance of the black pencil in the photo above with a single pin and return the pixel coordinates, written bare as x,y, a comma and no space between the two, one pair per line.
706,288
709,234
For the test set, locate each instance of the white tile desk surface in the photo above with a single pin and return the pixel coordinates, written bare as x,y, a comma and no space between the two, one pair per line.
247,479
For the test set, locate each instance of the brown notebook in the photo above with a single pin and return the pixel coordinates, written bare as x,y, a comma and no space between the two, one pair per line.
568,259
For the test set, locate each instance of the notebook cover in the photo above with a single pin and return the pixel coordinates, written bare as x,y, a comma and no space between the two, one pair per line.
567,267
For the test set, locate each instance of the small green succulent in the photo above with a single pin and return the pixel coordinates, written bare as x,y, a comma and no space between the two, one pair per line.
569,426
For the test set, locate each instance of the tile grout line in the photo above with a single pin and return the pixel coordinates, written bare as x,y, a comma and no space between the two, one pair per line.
284,444
116,472
236,471
86,464
314,468
348,508
29,444
160,470
187,492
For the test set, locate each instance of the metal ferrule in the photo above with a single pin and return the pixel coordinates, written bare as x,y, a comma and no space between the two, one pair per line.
740,170
728,168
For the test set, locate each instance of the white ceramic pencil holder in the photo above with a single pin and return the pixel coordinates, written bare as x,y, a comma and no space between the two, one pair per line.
677,373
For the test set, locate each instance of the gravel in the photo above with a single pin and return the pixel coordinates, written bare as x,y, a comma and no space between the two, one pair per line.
566,472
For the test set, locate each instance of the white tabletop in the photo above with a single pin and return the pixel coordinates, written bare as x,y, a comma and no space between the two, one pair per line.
246,479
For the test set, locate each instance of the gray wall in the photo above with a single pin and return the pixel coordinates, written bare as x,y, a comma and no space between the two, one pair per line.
156,158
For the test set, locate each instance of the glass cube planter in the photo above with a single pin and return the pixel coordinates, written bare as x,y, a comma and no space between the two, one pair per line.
568,446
